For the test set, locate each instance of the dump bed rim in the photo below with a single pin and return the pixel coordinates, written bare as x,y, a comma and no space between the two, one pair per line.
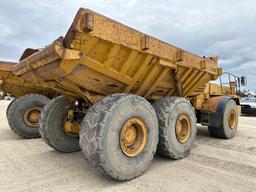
7,65
73,30
201,62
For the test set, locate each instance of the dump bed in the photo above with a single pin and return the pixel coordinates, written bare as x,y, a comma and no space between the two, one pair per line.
5,73
5,70
16,86
99,56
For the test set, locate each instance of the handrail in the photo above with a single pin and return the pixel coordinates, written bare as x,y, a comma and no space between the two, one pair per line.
236,79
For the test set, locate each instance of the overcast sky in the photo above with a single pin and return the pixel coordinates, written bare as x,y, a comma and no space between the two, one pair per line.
225,28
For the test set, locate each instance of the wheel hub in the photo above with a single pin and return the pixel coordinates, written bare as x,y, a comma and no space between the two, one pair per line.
232,119
133,137
130,135
71,127
183,128
31,116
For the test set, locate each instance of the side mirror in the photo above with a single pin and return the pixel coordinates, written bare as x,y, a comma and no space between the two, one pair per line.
243,80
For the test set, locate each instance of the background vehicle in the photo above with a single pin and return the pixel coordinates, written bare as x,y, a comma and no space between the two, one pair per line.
248,105
8,97
122,92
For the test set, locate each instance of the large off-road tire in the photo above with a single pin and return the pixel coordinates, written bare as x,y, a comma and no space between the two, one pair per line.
119,136
228,116
9,106
23,115
177,127
52,121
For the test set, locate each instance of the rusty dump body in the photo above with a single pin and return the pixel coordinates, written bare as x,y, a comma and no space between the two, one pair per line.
99,56
16,86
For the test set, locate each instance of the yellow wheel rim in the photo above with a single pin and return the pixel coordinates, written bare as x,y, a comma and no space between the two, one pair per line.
183,128
133,137
71,128
232,119
31,116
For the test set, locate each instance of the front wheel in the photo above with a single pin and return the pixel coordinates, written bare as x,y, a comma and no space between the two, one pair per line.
228,119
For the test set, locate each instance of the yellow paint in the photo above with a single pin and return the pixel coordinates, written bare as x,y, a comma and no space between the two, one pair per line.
133,137
114,54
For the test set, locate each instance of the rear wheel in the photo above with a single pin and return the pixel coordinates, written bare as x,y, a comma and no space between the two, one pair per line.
177,127
119,136
229,121
9,106
52,126
23,115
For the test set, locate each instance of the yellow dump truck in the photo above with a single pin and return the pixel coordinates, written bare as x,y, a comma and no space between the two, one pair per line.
23,112
125,95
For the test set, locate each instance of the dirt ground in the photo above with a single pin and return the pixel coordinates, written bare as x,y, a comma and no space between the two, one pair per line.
214,165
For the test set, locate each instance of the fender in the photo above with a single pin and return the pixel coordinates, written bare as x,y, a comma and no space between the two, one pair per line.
212,111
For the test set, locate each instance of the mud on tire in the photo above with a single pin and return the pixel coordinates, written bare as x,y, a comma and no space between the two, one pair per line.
168,111
100,135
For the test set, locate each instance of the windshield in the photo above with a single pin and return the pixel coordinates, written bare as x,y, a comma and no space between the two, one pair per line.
248,100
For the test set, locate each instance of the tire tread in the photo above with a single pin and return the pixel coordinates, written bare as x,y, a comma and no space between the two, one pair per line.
12,107
99,112
162,108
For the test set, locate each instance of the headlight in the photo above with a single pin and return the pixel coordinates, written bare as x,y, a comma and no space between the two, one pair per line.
253,106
